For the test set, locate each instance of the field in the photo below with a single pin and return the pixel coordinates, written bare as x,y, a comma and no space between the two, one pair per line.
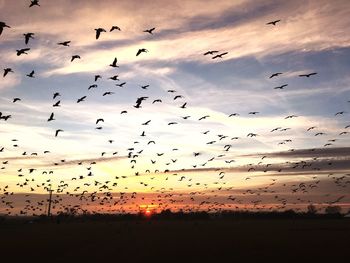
178,240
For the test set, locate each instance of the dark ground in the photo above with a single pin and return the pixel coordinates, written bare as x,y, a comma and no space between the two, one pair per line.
236,240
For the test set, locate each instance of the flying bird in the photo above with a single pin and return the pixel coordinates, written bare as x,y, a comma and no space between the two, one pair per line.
114,63
100,120
34,2
184,105
15,100
220,55
6,71
273,22
99,31
51,117
65,43
114,28
210,52
281,87
57,104
28,36
139,101
150,30
141,50
81,99
75,57
108,93
58,131
55,95
2,26
22,51
31,74
308,75
275,75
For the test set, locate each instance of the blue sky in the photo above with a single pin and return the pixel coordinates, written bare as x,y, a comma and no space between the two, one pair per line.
311,37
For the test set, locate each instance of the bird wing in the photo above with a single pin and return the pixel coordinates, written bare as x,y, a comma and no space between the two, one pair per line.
138,52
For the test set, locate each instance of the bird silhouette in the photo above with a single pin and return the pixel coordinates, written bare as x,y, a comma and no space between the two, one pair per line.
65,43
81,99
220,55
34,3
31,74
139,101
275,74
22,51
15,100
114,28
2,26
6,71
99,31
273,22
114,63
107,93
308,75
210,52
150,31
141,50
57,104
75,57
281,87
28,36
51,117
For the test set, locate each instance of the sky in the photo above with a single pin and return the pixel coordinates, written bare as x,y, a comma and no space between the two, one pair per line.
188,145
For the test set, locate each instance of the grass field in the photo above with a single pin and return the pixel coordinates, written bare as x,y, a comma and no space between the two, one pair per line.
253,240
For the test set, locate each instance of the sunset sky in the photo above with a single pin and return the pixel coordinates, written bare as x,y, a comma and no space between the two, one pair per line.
288,167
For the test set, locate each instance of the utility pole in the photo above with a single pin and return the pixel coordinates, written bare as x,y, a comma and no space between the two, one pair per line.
50,199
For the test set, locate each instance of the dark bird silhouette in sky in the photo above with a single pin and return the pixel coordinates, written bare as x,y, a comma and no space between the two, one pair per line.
81,99
6,71
99,120
273,22
22,51
75,57
34,3
141,50
2,26
55,95
121,84
220,55
150,31
114,28
308,75
31,74
16,99
184,105
57,132
57,104
210,52
99,31
281,87
114,63
51,117
139,101
275,74
28,36
64,43
108,93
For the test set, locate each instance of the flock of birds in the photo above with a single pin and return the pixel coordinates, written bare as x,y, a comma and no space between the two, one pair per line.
102,196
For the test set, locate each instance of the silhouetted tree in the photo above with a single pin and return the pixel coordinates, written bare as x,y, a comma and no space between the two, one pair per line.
333,209
311,209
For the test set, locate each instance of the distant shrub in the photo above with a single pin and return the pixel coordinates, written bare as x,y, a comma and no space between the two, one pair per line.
333,209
